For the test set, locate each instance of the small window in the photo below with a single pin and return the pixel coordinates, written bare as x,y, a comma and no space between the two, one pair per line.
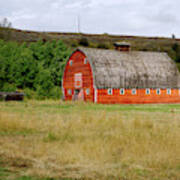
158,91
85,61
133,91
122,91
87,91
148,91
168,91
69,91
70,62
110,91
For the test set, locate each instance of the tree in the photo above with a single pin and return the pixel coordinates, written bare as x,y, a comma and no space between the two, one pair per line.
5,29
173,36
43,83
36,68
5,23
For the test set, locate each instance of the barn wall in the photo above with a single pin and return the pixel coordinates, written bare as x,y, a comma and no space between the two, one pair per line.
78,66
139,98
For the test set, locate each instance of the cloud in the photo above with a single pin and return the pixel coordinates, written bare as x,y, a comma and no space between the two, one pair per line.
133,17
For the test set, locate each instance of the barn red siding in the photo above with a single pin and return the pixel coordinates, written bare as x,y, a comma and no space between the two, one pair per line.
78,66
140,98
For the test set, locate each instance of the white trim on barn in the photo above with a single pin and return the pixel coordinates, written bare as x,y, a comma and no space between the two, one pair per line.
148,91
133,91
169,91
95,95
122,91
110,91
158,91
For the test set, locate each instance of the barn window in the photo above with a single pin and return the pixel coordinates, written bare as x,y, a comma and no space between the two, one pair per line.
122,91
70,62
148,91
87,91
78,80
69,91
158,91
169,91
133,91
110,91
85,61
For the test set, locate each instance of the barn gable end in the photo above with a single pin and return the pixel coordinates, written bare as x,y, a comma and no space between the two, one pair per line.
78,77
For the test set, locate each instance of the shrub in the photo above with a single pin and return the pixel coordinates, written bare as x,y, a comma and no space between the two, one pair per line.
103,46
176,49
29,93
84,42
8,87
56,92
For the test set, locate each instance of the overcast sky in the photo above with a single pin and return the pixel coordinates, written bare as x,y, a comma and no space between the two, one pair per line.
128,17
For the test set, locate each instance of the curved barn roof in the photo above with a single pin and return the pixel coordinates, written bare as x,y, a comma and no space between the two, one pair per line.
134,69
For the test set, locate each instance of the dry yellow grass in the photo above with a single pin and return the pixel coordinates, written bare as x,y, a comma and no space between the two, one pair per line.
57,139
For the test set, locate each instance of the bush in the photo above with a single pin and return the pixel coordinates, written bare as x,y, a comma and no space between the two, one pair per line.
84,42
8,87
56,92
103,46
176,49
29,93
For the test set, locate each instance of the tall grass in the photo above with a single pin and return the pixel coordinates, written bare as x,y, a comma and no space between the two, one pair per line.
72,140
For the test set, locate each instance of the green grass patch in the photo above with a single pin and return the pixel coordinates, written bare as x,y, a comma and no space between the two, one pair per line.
4,173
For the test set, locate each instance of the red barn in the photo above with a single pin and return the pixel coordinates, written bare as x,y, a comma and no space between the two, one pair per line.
121,76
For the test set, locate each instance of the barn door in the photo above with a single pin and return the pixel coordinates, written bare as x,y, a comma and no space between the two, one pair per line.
78,95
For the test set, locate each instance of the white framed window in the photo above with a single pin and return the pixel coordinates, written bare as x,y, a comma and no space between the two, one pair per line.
122,91
70,62
69,92
168,91
87,91
133,91
148,91
78,80
110,91
158,91
85,60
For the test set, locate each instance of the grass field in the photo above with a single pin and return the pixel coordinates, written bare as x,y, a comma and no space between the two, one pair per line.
49,140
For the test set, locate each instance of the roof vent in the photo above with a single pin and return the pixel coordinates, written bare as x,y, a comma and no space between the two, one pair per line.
122,46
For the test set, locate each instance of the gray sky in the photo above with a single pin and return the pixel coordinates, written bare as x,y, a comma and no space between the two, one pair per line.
129,17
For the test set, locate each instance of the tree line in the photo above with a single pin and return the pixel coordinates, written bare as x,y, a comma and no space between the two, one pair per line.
34,68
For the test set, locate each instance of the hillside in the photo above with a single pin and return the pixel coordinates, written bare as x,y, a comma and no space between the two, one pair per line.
96,40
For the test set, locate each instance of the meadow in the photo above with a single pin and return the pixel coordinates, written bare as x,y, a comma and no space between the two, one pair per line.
53,140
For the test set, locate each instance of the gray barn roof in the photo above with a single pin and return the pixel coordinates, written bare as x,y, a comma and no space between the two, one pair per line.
134,69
